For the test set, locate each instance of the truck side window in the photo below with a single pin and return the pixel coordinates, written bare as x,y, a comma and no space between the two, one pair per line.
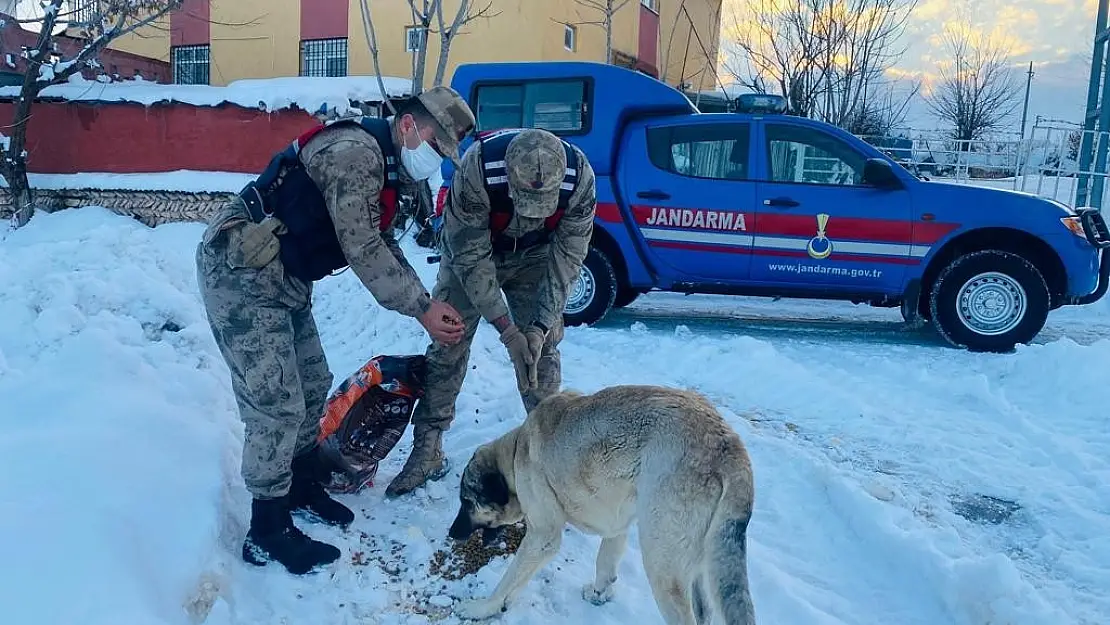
555,105
715,151
809,156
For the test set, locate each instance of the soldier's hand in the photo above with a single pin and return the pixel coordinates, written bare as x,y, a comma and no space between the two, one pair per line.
443,323
521,355
536,339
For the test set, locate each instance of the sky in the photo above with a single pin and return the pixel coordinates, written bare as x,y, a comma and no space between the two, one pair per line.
1056,35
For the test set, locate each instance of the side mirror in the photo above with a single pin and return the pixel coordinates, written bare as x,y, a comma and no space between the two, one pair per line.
879,173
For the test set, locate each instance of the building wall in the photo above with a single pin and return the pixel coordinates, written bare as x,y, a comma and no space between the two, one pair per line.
261,38
116,137
681,55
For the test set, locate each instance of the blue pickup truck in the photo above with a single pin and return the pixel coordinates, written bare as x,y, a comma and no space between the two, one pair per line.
762,203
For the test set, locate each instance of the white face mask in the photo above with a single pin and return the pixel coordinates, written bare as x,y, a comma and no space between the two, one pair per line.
422,162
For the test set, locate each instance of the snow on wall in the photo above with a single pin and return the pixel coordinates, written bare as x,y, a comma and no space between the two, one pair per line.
269,94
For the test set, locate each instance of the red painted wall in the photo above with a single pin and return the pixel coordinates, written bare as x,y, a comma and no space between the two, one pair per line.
647,55
66,138
323,19
191,24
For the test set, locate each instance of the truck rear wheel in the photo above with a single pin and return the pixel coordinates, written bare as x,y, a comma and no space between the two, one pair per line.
593,293
989,301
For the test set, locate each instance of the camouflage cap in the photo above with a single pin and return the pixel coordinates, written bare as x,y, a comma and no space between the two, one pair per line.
536,165
454,117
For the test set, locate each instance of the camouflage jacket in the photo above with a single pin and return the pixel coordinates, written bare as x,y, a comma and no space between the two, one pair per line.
347,165
466,249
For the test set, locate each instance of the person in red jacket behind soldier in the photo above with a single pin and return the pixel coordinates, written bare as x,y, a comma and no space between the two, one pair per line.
517,227
325,203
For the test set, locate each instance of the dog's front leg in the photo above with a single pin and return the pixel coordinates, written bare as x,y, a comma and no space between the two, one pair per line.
537,549
608,560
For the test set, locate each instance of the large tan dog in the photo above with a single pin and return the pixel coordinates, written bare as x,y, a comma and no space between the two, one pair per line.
660,456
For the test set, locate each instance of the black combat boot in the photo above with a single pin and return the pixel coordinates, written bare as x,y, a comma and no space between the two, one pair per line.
273,537
307,494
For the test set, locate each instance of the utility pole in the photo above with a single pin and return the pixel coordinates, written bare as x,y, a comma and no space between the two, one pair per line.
1025,110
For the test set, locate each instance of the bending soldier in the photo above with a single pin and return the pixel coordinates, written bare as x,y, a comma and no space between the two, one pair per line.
325,203
518,219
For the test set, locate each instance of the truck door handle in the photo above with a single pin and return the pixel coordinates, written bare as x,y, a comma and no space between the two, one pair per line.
784,202
654,194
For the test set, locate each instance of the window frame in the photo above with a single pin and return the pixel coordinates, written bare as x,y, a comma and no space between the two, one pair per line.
83,11
587,99
572,30
724,131
326,44
176,64
408,39
651,5
768,174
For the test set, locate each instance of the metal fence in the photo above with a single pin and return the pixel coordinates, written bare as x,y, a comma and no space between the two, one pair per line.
1047,162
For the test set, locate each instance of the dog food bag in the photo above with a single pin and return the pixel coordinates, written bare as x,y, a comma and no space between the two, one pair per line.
365,418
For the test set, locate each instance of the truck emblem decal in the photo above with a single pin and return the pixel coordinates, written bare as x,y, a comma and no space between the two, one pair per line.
697,218
820,247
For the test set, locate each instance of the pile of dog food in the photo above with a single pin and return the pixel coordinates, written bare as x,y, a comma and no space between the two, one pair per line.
468,557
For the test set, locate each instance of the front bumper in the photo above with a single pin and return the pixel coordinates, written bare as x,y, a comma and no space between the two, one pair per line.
1098,235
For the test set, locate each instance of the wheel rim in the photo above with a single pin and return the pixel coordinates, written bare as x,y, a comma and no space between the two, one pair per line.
991,304
582,293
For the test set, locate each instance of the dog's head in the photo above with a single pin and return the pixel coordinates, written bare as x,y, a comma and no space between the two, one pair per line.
485,501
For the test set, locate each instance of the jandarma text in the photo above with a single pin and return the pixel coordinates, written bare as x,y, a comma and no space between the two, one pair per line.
829,271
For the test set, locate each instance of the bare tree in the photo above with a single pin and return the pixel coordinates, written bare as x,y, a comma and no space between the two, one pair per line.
607,9
424,12
372,41
100,23
422,16
463,16
829,58
977,91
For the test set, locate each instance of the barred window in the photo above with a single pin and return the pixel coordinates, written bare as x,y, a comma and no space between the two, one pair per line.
414,37
190,65
324,57
82,11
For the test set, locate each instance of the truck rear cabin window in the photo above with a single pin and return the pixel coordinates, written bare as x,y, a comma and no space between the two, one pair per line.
557,106
713,151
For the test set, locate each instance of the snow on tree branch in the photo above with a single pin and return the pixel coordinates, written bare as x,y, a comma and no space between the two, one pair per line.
108,21
111,20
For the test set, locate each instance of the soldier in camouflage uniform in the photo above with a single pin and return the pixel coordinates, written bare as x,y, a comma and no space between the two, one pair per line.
324,203
517,279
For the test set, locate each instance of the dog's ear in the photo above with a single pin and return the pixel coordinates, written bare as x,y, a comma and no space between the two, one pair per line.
494,488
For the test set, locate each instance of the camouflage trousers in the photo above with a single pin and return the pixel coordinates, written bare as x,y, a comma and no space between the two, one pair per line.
262,321
519,276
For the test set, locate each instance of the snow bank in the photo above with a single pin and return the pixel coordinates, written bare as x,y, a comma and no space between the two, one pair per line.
308,93
179,180
119,438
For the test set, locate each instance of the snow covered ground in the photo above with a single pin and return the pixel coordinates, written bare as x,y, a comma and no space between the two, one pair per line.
898,481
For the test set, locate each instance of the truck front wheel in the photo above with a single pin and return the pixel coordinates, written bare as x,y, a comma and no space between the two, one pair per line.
989,301
593,293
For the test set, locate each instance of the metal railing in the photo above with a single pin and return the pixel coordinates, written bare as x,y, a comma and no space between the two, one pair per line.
1045,163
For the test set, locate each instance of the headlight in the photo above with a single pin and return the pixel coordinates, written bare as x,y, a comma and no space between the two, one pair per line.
1073,224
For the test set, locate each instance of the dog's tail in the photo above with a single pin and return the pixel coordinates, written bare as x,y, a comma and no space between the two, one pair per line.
724,585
